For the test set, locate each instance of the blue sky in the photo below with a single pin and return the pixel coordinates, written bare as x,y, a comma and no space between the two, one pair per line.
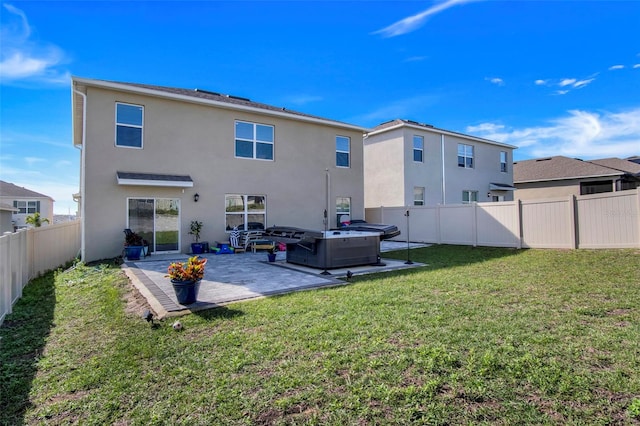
551,77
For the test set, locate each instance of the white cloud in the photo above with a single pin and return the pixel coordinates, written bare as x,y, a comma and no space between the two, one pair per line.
414,22
616,67
33,160
636,66
581,134
415,59
24,59
495,80
567,82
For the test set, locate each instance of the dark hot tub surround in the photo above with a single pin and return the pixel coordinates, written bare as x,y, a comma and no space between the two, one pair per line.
327,249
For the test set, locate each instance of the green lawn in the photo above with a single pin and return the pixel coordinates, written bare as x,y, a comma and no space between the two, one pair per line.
480,336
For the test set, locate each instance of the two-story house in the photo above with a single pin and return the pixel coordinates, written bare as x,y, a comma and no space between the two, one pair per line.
408,163
154,158
25,203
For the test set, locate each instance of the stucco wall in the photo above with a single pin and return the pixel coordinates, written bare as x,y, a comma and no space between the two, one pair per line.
384,163
191,139
557,188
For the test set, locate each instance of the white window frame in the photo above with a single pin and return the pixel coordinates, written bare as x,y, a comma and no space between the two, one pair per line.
340,201
503,161
254,141
27,206
135,126
470,195
340,151
246,212
467,153
420,149
418,191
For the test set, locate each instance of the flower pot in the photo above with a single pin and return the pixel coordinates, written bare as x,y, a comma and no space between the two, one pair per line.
186,291
196,248
271,257
133,252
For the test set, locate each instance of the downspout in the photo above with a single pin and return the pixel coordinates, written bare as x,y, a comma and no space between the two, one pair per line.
82,170
444,200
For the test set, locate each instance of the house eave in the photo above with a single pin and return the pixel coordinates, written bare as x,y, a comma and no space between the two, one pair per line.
440,131
224,105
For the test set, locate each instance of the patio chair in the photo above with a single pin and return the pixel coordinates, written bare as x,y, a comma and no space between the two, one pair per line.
235,241
255,240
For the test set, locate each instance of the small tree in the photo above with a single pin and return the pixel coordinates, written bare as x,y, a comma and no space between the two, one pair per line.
36,220
196,226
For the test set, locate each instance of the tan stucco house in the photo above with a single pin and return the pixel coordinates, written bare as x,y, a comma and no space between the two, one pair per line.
154,158
24,203
408,163
560,176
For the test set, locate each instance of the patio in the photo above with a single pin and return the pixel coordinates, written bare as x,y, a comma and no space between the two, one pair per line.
235,277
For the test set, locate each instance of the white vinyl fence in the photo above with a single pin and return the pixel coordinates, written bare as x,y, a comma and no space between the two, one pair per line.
609,220
30,252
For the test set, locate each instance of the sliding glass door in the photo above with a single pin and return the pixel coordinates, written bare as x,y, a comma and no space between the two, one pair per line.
157,220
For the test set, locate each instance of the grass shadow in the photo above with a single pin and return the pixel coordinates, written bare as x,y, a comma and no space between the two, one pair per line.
221,312
440,256
23,336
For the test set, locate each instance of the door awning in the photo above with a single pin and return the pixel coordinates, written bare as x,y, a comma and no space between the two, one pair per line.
154,179
501,187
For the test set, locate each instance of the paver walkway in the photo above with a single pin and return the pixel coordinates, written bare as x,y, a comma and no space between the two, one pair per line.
233,277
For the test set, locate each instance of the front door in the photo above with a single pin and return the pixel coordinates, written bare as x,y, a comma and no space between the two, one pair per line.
157,220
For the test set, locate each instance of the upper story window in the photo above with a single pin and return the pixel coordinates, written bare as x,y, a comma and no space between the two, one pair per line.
418,196
469,197
129,123
418,148
465,156
27,207
254,140
343,144
503,161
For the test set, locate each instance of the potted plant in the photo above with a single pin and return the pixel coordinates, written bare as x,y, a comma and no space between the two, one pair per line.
185,278
133,245
195,228
271,254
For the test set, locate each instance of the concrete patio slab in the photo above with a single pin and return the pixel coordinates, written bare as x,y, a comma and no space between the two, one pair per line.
235,277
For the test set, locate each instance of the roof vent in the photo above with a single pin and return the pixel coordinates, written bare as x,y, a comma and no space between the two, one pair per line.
544,159
207,92
238,98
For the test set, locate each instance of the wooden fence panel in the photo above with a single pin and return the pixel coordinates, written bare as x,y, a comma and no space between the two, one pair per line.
609,220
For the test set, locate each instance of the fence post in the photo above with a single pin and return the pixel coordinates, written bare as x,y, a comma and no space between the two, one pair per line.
574,232
474,225
518,213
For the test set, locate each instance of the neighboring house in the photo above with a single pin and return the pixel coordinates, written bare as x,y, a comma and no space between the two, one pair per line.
155,158
6,218
563,176
409,163
26,202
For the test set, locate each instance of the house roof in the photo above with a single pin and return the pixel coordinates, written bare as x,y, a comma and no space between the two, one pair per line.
210,98
398,123
626,166
562,168
8,189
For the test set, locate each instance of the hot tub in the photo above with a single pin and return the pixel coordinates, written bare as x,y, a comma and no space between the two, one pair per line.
327,249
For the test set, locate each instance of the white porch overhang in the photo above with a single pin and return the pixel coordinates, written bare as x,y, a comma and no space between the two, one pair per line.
154,179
